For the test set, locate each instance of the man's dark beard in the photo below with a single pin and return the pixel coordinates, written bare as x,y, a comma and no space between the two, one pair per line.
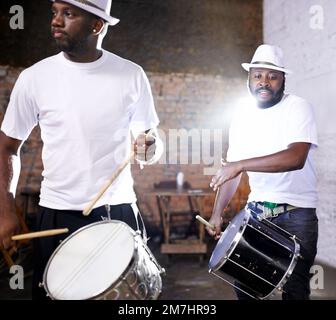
277,96
73,46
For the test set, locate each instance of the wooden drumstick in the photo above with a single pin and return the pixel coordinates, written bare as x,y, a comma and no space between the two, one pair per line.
39,234
89,207
211,226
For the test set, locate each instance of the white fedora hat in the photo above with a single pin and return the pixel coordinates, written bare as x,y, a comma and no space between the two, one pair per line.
100,8
269,57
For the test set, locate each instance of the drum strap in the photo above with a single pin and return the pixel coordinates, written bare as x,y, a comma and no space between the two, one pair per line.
136,215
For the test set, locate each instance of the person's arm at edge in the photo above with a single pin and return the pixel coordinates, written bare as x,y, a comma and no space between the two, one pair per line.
9,225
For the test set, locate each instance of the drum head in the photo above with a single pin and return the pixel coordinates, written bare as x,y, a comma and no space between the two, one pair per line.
89,261
228,240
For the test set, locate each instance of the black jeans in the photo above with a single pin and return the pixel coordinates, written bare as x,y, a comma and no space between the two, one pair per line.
73,220
303,223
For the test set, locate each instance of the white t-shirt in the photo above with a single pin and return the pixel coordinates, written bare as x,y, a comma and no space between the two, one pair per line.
256,132
85,112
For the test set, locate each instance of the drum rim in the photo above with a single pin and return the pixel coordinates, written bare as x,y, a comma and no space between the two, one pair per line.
235,241
44,278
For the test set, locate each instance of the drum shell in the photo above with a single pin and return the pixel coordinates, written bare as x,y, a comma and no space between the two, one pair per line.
260,258
141,280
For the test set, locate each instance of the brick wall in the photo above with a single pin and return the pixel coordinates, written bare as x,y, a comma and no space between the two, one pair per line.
189,36
306,31
198,104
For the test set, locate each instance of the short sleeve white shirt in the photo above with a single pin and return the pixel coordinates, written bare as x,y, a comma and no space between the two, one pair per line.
86,112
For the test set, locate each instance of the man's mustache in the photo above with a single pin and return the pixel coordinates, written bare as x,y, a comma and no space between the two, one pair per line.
264,89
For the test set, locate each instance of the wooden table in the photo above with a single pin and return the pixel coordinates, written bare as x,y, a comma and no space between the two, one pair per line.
195,199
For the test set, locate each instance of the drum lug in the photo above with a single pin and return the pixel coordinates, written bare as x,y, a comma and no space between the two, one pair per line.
40,285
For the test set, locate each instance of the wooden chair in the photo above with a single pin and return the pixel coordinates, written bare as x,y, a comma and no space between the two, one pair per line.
182,233
179,220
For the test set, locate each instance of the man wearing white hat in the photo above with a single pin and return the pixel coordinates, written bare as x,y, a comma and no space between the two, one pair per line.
272,138
87,102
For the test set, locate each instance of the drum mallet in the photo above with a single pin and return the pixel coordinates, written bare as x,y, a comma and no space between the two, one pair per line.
39,234
211,226
115,175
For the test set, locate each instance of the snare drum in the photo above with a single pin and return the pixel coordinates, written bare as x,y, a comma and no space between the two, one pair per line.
106,260
256,255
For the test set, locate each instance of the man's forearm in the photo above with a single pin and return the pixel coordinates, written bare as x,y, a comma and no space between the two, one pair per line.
9,224
290,159
224,195
6,172
9,164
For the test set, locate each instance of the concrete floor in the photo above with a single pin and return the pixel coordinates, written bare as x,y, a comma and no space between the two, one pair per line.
186,279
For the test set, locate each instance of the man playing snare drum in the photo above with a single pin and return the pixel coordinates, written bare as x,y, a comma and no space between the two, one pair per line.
86,101
272,138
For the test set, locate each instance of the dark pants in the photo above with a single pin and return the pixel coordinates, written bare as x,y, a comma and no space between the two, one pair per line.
303,223
73,220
